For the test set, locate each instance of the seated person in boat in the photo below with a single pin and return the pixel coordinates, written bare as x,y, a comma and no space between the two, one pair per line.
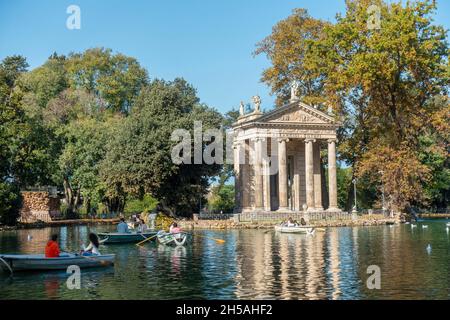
142,227
174,228
291,223
92,248
122,227
52,247
303,221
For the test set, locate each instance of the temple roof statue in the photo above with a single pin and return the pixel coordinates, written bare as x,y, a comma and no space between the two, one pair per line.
257,103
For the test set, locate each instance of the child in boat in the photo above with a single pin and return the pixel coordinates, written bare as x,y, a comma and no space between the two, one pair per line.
92,248
174,228
52,247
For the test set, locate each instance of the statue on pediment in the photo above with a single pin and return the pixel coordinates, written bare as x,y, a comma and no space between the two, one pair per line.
294,91
241,108
257,103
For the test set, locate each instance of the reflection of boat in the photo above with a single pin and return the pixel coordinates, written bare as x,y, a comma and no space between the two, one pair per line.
116,237
295,229
178,239
29,262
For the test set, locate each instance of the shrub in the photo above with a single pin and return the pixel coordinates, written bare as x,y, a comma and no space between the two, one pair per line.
10,203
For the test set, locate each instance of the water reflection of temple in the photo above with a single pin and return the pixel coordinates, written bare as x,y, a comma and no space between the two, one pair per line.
288,266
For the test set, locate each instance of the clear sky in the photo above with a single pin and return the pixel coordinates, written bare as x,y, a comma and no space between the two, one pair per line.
207,42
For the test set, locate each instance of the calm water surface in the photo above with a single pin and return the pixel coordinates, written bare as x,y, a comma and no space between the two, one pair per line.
252,264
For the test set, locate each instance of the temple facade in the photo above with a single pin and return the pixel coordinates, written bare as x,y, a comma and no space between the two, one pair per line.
277,160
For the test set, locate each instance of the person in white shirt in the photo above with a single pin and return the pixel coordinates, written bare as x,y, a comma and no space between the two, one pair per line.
142,226
92,248
291,223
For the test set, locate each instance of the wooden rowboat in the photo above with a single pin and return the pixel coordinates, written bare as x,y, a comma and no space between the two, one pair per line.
177,239
297,229
33,262
131,237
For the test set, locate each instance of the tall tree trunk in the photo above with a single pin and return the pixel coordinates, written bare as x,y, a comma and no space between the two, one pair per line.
68,194
87,205
350,195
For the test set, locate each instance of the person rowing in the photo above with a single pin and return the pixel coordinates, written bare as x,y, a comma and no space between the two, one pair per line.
52,247
174,228
122,227
92,248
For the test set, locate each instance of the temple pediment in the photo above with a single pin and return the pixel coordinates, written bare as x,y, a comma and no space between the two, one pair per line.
296,113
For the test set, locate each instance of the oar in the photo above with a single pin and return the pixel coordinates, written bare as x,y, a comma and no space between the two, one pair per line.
217,240
7,265
146,239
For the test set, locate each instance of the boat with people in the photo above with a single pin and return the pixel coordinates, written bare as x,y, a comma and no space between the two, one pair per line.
125,237
176,239
36,262
291,226
295,229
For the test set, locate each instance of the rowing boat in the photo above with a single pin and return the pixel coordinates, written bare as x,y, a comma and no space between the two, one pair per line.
131,237
177,239
30,262
296,229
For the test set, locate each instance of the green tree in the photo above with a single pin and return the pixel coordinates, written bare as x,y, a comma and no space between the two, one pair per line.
10,122
221,199
114,78
139,159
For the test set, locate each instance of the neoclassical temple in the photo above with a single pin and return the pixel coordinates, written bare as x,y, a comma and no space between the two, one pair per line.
277,159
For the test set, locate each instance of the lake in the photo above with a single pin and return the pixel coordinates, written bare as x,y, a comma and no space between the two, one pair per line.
251,264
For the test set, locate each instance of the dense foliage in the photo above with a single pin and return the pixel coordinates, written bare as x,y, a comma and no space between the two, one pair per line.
94,125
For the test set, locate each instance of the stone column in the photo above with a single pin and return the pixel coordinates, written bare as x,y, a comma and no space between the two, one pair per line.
317,178
332,180
238,161
309,173
259,205
282,176
245,184
296,186
266,177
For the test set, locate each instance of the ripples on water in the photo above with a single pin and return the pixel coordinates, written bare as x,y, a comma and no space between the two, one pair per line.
252,264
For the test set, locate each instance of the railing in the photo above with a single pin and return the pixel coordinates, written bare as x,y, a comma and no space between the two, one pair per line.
215,216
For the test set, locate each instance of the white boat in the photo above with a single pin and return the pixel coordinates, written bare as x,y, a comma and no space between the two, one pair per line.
448,224
167,238
30,262
295,229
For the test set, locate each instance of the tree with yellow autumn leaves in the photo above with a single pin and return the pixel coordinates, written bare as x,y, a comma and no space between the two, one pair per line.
387,82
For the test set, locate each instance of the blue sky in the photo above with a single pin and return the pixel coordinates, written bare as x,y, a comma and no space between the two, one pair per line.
208,42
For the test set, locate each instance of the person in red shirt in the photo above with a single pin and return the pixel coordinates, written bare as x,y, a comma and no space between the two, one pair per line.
52,248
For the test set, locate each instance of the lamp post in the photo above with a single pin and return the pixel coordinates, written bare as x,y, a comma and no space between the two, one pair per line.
355,209
382,193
